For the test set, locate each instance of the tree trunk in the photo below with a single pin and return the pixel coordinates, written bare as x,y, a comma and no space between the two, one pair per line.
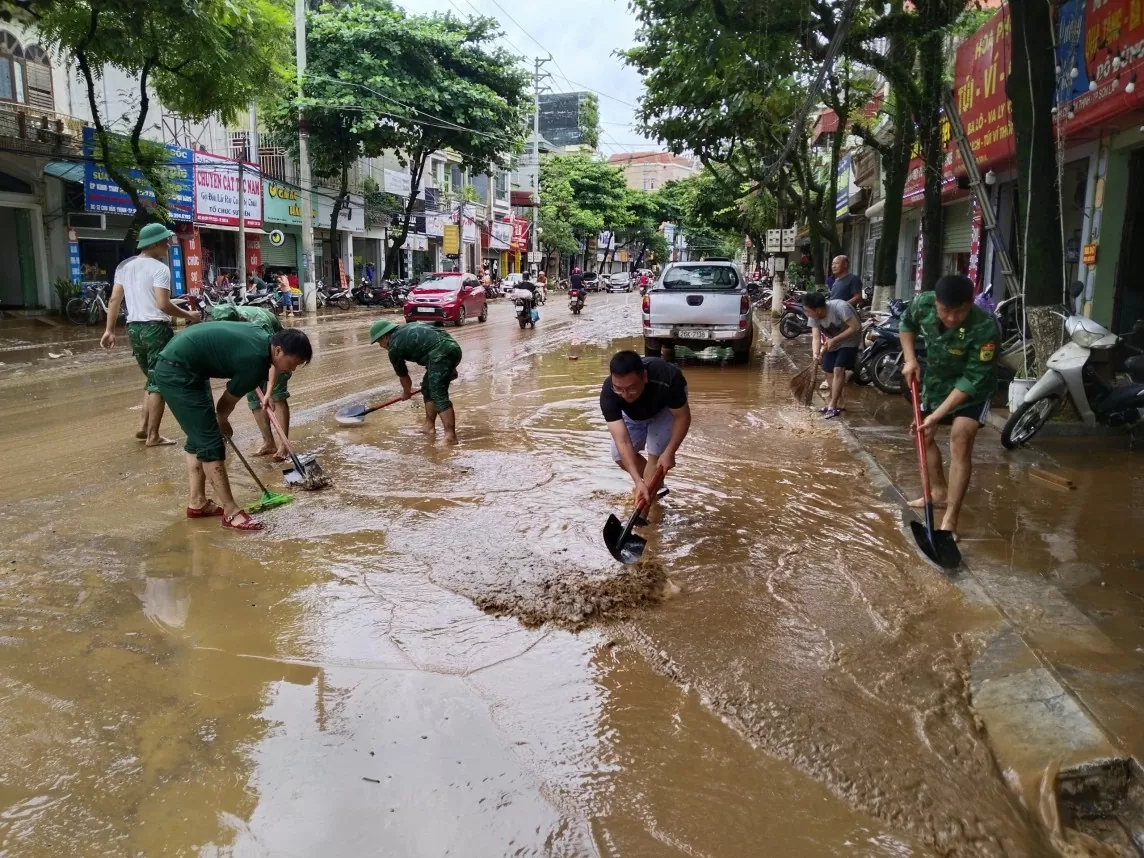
1030,92
417,163
933,151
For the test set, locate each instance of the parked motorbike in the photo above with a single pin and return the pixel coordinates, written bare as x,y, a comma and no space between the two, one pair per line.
576,301
883,340
1084,369
793,322
335,296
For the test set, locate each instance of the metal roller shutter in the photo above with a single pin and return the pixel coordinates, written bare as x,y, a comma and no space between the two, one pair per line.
285,256
958,228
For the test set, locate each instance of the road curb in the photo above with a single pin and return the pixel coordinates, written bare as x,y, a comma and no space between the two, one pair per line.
1034,719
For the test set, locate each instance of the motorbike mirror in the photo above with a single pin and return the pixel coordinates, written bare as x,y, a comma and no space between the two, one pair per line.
1076,289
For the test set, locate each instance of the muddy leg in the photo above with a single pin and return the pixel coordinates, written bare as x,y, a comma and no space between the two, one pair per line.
153,408
142,433
837,387
263,422
197,483
961,439
936,474
449,421
221,483
430,427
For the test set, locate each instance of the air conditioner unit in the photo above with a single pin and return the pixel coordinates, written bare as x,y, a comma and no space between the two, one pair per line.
86,220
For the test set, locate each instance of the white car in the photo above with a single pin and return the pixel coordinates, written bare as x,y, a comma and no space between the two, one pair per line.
698,304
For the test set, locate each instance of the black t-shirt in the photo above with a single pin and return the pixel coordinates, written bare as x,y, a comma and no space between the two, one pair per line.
577,281
666,388
846,287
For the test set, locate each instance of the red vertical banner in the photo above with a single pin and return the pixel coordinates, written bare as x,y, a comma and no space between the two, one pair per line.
342,279
975,248
254,254
192,256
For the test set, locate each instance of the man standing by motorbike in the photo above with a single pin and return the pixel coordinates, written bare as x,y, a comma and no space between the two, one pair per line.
846,286
960,377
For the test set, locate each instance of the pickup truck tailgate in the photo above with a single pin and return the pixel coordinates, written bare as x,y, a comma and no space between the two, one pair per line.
678,307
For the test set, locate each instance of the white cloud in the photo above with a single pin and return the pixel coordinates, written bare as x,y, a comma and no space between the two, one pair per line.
582,37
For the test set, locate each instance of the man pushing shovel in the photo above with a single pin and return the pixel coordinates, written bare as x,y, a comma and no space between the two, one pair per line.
433,349
248,357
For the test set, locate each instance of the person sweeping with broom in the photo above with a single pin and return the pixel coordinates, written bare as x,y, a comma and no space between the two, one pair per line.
280,396
433,349
836,335
248,357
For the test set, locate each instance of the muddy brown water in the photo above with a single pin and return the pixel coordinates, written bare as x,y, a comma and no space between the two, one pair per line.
438,656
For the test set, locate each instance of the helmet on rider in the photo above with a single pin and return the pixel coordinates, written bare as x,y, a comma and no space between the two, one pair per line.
575,270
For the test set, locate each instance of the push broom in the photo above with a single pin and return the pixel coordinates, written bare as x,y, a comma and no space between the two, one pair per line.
269,499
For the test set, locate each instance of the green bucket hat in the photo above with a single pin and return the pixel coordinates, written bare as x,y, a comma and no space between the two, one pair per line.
380,328
152,233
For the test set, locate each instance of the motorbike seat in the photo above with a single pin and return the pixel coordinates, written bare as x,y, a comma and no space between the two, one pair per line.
1135,367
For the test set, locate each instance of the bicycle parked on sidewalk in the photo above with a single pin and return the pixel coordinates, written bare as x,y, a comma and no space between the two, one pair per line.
90,306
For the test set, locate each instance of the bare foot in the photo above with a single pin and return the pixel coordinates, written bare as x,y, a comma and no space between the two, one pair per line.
920,503
264,450
141,434
159,441
281,455
450,437
951,525
429,429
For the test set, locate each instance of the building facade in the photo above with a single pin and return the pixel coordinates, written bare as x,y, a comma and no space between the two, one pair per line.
650,171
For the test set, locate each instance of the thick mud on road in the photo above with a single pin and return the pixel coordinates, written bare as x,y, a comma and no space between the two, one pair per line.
437,656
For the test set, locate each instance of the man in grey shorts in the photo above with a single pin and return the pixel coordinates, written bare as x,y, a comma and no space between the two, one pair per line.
644,401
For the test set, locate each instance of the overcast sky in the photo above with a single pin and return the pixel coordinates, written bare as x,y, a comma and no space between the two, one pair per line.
582,36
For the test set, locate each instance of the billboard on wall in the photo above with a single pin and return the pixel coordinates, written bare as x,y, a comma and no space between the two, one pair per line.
102,194
216,191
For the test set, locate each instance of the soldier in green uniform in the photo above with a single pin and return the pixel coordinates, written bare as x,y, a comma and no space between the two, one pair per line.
435,350
960,377
248,357
279,395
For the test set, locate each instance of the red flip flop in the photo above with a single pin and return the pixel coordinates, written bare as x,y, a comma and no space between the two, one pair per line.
250,523
208,510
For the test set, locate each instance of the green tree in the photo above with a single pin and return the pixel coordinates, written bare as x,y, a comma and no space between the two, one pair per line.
201,57
589,120
580,197
416,84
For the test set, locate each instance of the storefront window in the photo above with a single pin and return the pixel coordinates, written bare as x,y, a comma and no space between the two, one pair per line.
11,68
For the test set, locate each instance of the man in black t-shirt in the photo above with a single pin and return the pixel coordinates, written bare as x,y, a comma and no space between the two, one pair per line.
644,402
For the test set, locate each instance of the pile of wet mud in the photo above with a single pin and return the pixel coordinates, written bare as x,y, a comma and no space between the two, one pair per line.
545,592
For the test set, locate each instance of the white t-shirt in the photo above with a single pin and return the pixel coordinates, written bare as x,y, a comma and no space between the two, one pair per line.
838,313
140,276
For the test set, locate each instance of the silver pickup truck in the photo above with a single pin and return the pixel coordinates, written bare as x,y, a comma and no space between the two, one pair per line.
699,304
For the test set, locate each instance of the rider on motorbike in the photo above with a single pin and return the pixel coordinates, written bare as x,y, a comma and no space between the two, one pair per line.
526,292
576,285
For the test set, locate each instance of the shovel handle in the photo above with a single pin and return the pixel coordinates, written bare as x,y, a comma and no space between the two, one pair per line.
920,441
653,486
274,422
389,402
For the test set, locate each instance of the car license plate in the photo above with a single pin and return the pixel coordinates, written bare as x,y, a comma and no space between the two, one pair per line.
424,309
694,335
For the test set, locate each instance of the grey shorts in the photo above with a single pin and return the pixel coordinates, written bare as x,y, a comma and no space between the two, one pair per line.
650,435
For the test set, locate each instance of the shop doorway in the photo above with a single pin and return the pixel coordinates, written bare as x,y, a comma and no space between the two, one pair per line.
17,264
1128,304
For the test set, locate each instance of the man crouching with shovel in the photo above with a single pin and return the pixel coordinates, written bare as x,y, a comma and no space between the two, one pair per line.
433,349
644,401
247,356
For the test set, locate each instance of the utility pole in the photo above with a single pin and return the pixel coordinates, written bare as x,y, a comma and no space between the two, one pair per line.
242,225
538,64
306,275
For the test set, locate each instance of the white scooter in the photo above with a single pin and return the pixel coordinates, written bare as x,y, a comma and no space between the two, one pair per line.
1083,369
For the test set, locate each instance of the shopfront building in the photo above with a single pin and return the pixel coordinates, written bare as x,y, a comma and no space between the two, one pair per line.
216,215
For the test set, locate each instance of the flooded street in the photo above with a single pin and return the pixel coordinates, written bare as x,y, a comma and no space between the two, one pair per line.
438,656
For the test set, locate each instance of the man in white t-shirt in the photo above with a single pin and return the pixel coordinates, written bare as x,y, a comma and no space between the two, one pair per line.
144,281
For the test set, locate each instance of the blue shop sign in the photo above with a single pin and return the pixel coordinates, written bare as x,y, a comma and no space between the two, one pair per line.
101,194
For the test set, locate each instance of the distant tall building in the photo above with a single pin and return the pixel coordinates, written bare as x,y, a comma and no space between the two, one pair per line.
560,118
649,171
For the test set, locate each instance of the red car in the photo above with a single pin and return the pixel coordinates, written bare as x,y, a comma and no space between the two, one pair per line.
447,297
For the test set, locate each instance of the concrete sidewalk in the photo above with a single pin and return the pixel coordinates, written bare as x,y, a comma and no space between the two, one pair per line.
1061,683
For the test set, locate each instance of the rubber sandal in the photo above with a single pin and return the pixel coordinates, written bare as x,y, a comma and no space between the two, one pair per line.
250,523
208,510
832,413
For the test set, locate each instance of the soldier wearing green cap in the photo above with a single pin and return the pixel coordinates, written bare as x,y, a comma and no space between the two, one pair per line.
144,281
433,349
280,395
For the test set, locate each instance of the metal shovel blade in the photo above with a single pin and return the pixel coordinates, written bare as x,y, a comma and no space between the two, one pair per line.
351,415
625,546
295,477
937,545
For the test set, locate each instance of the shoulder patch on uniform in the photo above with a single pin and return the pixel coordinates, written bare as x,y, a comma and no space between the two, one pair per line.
987,350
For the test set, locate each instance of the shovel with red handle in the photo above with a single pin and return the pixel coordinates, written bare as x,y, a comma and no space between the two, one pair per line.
354,415
937,545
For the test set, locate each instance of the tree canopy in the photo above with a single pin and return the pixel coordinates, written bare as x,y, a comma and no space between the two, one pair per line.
379,80
200,57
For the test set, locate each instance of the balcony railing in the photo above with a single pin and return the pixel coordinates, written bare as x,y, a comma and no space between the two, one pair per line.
39,132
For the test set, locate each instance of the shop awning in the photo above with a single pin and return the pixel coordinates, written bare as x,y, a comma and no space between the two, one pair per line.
69,171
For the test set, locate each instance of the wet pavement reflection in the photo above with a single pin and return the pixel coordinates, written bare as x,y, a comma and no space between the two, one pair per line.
438,656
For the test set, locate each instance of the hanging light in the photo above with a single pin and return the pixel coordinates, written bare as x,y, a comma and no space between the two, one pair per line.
1131,84
1092,86
1070,115
1073,72
1116,64
990,178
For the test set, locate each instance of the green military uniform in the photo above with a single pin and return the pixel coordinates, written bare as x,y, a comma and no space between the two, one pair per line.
147,340
435,350
963,358
236,351
268,322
